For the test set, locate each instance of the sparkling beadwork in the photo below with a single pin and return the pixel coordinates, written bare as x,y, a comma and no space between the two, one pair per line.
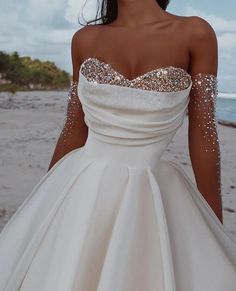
166,79
73,108
204,93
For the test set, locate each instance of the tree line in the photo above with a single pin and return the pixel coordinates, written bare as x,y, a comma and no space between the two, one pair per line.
26,73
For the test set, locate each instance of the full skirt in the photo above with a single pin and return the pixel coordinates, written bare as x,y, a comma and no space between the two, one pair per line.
94,225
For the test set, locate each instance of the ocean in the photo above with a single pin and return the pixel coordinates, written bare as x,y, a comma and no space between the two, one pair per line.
226,107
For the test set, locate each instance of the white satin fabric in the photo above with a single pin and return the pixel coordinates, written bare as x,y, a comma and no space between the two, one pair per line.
113,215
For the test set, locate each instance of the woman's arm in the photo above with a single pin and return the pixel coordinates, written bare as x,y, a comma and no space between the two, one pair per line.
203,136
75,130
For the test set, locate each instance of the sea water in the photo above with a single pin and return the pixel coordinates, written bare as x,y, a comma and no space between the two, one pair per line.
226,107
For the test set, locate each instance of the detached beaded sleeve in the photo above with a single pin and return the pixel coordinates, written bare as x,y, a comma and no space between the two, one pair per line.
74,109
203,97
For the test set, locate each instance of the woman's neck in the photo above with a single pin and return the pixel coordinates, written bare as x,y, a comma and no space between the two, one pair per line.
135,13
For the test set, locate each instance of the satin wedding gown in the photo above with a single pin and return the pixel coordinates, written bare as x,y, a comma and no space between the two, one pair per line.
113,215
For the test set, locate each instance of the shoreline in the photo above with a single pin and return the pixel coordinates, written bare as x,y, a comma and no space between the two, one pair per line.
35,90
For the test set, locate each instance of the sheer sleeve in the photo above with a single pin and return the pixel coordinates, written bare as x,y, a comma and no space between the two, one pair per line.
74,131
204,92
73,113
203,137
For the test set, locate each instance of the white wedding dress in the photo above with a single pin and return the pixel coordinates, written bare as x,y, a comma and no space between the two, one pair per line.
113,215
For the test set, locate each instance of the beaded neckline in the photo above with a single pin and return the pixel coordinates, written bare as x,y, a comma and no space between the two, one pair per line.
162,79
138,77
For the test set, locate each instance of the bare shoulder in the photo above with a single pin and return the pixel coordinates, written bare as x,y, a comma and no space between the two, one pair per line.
86,34
193,29
198,29
202,45
84,41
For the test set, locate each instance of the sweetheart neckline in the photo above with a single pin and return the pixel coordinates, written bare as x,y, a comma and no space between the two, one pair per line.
138,77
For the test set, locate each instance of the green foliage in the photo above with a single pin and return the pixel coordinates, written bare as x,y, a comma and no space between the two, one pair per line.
26,73
11,88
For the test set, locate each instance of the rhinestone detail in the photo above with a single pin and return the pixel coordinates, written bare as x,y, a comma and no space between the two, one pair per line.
166,79
74,107
204,93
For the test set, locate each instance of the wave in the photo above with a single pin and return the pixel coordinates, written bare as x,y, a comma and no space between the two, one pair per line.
227,123
227,95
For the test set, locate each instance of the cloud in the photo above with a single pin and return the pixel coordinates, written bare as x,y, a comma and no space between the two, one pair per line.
38,29
75,8
41,29
227,41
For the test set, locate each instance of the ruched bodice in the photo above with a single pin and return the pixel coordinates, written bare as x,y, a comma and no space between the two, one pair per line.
130,115
124,115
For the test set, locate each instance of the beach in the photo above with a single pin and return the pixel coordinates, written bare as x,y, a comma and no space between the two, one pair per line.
30,123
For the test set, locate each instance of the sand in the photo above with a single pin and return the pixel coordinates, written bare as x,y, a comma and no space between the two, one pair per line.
30,123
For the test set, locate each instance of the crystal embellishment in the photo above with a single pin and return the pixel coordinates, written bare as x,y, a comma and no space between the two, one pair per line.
74,108
204,93
165,79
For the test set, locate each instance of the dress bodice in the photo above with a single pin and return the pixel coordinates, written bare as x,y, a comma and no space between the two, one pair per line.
147,109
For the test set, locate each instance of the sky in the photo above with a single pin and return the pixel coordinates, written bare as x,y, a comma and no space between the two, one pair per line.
43,29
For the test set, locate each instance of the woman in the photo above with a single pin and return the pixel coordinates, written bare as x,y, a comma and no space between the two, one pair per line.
111,214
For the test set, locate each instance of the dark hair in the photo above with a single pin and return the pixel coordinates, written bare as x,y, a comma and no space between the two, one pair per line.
109,10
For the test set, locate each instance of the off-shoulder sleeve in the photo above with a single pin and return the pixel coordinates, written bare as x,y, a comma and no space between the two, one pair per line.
204,93
73,111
